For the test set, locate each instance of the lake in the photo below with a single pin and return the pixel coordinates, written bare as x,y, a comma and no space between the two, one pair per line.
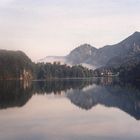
82,109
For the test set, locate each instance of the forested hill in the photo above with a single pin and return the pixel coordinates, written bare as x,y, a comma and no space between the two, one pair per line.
17,65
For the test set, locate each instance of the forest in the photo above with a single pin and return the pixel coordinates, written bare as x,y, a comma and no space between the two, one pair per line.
56,70
17,65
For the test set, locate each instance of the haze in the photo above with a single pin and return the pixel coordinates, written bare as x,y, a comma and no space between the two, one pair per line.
54,27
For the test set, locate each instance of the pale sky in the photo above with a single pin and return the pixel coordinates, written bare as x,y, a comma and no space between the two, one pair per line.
54,27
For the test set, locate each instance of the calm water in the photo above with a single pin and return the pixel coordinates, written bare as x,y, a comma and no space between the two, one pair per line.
97,109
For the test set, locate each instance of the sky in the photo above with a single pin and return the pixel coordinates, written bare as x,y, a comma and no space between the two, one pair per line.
54,27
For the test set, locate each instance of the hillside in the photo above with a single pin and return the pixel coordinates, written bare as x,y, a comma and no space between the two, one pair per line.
15,65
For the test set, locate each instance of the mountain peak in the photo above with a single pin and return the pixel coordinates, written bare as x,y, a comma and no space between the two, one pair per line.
85,45
136,33
81,54
132,39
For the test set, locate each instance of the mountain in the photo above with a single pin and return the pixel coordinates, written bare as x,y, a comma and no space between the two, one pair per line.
126,50
105,55
117,52
81,54
126,59
110,55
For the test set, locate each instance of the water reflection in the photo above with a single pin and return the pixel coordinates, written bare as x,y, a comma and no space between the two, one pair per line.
82,93
14,94
113,94
58,86
18,93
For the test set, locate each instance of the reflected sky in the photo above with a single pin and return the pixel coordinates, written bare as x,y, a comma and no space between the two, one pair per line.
55,117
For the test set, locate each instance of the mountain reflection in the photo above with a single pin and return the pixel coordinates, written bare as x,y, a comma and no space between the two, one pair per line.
110,94
83,93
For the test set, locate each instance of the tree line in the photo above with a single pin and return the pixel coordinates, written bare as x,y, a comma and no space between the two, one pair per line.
17,65
57,70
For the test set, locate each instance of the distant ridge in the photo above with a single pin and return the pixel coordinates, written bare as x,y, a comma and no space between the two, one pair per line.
95,58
